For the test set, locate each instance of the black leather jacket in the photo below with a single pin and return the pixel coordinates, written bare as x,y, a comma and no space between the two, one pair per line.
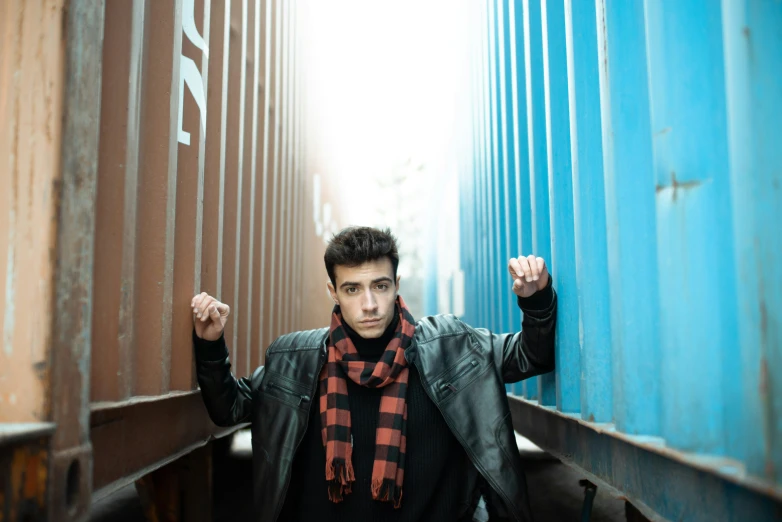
464,371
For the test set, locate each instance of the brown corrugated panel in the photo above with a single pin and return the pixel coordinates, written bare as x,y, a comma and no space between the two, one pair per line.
31,89
199,182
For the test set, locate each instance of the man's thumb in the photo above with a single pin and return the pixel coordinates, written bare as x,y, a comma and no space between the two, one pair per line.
213,313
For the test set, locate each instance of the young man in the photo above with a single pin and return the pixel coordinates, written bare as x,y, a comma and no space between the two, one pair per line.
381,418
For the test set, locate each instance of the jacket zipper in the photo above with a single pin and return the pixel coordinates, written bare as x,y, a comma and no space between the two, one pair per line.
298,442
449,384
470,454
302,398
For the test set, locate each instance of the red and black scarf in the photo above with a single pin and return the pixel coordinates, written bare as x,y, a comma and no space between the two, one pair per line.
391,374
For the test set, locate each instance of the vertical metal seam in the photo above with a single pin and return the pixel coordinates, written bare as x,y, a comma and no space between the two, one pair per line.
239,176
223,128
254,140
292,314
284,171
469,195
199,234
274,253
485,314
291,171
173,156
547,107
266,117
302,168
530,129
493,194
515,105
74,208
504,120
576,183
127,314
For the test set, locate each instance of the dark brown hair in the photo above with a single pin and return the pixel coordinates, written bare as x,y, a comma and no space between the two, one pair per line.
354,246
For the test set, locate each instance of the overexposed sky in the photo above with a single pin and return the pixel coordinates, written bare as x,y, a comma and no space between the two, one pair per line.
385,82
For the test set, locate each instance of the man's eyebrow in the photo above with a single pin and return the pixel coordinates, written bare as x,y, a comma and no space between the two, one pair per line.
383,279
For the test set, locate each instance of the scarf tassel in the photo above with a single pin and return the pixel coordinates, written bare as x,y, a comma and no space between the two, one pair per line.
340,478
386,490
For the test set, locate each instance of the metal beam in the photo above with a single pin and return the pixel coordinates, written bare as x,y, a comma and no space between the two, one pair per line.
673,485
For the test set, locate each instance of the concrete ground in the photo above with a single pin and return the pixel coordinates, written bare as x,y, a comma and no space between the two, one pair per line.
554,489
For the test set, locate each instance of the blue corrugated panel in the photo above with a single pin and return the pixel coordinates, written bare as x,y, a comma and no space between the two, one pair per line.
636,147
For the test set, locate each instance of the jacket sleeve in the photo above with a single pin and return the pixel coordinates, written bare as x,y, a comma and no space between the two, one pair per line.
529,352
228,400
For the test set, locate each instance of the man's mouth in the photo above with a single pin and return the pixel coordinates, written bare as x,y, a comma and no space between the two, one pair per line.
370,322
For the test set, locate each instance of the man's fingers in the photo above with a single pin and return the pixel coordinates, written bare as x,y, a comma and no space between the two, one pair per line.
198,299
202,311
206,307
515,268
525,268
222,308
533,266
541,265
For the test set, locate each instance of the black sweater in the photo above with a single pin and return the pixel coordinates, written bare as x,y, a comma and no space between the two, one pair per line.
439,477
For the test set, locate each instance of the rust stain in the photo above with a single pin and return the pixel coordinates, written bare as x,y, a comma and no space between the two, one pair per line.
661,132
591,417
28,484
765,387
678,185
770,471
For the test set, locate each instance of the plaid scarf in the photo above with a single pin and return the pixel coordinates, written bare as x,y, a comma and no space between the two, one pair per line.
390,373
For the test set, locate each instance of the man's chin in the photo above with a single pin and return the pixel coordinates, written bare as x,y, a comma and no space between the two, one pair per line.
370,331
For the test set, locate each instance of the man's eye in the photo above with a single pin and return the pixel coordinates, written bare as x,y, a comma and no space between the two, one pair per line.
351,290
382,287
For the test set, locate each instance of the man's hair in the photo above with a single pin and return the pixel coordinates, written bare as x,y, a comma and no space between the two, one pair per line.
355,246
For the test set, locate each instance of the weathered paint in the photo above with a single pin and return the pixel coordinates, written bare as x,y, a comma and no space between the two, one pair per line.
71,452
647,172
198,105
31,92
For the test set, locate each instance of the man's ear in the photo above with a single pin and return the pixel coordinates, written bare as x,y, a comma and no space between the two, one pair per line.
333,292
397,282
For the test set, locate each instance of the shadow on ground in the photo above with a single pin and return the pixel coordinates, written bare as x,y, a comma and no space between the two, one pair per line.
555,494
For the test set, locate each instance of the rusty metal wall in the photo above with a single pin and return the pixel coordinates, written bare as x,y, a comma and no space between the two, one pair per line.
150,150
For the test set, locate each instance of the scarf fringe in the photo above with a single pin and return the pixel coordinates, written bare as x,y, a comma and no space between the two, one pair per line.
340,478
387,490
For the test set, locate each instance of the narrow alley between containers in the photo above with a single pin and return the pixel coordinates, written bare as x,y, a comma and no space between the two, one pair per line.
476,260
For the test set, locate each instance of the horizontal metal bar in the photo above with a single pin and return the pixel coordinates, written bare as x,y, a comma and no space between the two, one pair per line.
674,484
18,431
133,440
139,399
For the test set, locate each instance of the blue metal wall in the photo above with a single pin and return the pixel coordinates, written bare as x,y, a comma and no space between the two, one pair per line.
637,147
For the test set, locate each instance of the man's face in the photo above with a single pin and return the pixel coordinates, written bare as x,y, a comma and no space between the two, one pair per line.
366,295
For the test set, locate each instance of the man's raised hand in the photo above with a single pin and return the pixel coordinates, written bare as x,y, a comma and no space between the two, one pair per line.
529,275
209,316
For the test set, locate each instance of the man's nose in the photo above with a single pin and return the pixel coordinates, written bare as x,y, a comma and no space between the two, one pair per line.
368,302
